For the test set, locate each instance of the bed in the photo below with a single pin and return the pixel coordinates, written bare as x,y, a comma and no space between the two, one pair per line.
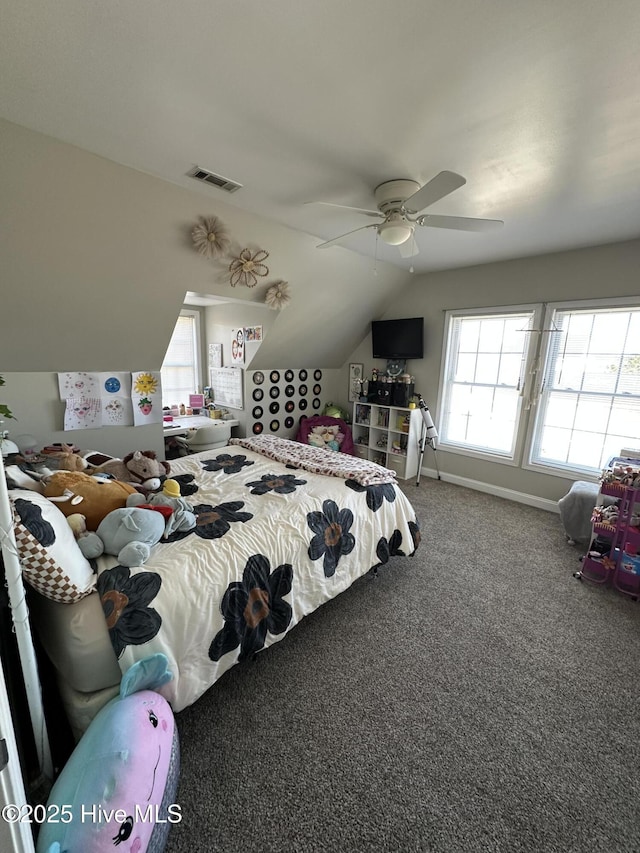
281,529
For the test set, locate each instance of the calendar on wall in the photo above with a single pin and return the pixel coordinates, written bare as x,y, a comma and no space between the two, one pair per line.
226,383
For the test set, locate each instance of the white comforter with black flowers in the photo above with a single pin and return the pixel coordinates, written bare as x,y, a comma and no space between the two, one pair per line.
272,543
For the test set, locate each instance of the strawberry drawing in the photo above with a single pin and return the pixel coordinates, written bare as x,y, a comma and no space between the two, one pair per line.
145,405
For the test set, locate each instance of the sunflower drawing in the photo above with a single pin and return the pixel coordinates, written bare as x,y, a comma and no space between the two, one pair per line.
146,383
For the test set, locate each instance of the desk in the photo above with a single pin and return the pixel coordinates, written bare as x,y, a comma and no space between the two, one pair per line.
181,425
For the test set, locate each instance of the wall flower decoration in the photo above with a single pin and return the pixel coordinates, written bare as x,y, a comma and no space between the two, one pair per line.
278,295
246,268
210,237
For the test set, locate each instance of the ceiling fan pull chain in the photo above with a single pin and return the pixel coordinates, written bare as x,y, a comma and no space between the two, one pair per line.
375,256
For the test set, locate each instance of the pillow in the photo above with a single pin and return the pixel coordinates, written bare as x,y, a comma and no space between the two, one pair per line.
49,555
23,477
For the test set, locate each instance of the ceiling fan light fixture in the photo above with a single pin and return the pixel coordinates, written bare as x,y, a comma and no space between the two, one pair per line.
395,230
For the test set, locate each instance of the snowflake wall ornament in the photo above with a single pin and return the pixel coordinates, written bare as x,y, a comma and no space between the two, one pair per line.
246,268
278,296
210,237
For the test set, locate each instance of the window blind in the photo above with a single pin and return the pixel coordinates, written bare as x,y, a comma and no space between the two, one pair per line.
180,366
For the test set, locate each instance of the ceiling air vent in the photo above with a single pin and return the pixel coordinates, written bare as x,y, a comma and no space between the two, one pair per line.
217,180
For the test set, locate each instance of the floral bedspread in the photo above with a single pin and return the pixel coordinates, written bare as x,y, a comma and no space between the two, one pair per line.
272,543
318,460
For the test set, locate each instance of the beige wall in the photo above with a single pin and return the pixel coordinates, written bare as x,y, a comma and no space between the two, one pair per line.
97,258
601,271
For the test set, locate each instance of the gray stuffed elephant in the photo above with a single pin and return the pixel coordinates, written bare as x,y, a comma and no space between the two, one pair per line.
127,534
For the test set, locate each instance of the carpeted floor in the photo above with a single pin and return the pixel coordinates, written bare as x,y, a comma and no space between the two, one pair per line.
474,697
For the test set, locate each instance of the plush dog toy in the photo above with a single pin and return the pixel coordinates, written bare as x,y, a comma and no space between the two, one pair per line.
119,785
77,492
141,469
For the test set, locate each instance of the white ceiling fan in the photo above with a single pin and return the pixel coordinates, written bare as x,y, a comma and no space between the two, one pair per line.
400,205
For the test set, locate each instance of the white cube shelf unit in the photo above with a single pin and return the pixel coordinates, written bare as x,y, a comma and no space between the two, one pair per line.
388,435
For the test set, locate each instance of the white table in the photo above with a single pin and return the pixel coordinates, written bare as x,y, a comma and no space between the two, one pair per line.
182,424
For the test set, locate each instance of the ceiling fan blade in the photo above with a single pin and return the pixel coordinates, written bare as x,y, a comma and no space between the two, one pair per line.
409,249
346,207
343,236
437,188
460,223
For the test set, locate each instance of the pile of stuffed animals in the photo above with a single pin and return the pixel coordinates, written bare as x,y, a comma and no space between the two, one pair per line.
328,436
121,507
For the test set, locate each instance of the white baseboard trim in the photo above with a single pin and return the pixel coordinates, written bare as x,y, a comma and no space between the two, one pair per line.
498,491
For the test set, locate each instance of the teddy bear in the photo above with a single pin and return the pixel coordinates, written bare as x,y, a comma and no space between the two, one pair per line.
141,469
93,497
127,533
181,518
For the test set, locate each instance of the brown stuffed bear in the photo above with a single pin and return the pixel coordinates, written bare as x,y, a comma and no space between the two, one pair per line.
98,497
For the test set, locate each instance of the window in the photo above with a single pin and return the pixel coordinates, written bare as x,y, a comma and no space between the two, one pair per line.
589,405
567,375
181,366
483,380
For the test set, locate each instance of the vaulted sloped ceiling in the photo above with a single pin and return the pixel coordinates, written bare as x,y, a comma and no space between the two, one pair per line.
97,258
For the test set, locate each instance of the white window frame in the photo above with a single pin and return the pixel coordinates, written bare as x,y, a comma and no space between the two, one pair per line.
527,378
566,471
197,367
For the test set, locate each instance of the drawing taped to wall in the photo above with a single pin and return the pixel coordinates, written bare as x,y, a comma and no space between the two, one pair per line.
113,398
147,397
237,347
253,333
215,355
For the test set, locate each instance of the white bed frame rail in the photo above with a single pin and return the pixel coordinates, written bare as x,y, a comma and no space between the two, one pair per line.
20,616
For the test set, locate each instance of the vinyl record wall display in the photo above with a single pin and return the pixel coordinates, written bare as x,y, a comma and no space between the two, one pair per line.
292,387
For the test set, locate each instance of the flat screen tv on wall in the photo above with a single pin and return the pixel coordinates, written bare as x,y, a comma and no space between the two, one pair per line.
397,338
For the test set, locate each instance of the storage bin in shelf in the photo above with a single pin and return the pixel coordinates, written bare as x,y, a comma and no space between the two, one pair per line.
597,569
615,490
604,527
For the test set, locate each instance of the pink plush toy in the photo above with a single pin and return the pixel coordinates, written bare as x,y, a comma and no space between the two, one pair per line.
117,789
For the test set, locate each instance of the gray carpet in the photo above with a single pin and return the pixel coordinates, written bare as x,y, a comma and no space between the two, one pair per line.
474,697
